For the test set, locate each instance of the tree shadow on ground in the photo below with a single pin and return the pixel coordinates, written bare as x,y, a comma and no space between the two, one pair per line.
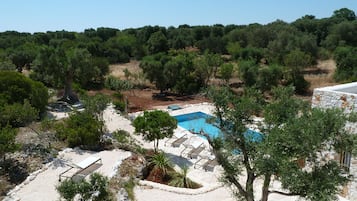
14,170
161,97
57,162
184,98
179,160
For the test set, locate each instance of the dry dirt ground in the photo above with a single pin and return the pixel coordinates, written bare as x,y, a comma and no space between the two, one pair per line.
139,99
323,74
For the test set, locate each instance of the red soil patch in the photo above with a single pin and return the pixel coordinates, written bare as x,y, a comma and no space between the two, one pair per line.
148,99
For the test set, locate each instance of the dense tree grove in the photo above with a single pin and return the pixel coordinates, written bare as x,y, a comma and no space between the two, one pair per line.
54,55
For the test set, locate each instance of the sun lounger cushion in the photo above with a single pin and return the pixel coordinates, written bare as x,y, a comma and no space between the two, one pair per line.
194,153
179,141
196,144
210,164
174,107
88,161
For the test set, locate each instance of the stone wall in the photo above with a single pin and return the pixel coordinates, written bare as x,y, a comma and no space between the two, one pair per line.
341,96
329,97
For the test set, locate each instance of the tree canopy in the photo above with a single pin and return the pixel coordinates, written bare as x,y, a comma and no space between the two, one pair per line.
155,125
346,63
61,67
290,132
175,71
15,88
81,129
21,99
180,59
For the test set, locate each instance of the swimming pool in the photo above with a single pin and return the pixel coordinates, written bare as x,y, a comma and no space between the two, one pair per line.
197,122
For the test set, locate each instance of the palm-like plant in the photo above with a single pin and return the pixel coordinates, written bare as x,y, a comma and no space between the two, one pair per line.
181,180
160,162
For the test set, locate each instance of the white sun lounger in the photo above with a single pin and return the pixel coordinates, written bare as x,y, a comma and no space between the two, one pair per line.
193,149
177,139
85,167
88,161
207,162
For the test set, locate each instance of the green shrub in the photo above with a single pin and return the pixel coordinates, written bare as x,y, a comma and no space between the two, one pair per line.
122,136
7,141
116,84
127,142
16,88
324,54
18,114
81,129
129,187
67,189
77,88
119,105
95,189
118,95
46,124
180,179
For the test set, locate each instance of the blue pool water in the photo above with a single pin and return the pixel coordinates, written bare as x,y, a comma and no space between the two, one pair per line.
197,122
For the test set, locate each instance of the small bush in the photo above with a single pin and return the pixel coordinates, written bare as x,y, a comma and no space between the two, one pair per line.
95,189
77,88
46,124
116,84
18,114
122,136
118,95
119,105
129,187
127,142
81,129
324,54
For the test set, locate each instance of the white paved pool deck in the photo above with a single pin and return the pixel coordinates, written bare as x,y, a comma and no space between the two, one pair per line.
212,189
41,185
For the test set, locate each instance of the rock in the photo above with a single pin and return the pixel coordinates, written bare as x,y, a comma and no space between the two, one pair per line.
31,177
122,195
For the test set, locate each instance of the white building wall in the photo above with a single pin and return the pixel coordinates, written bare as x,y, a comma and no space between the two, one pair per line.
345,97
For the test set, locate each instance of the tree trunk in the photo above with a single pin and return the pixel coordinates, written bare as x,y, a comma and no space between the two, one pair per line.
68,93
265,188
68,85
250,172
249,186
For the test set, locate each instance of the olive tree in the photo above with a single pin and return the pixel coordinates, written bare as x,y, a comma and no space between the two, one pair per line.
291,132
155,125
59,67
